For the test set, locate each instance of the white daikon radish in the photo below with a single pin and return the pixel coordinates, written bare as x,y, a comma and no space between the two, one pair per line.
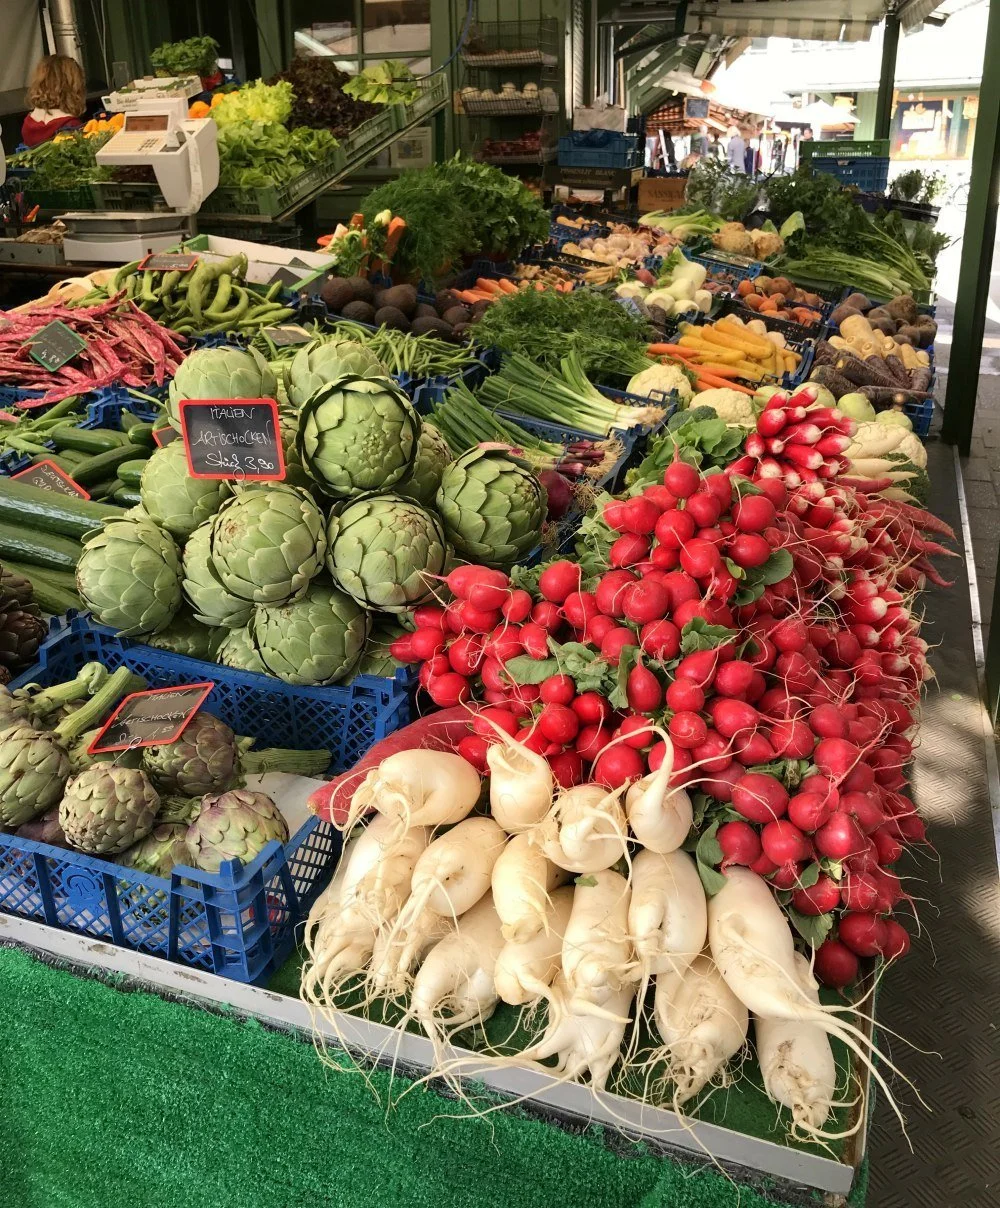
585,831
702,1024
597,956
420,787
525,970
586,1044
668,913
520,784
660,817
523,878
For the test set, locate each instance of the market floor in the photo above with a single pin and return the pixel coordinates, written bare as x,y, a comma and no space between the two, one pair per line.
945,996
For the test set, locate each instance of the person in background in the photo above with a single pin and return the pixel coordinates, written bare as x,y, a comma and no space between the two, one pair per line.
699,141
749,151
736,150
57,98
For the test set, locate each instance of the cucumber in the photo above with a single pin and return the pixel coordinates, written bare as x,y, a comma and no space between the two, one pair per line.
127,497
64,579
128,420
87,440
130,472
105,488
54,592
46,512
38,549
142,435
104,466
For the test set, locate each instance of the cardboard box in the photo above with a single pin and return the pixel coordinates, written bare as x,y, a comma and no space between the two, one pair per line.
661,192
600,117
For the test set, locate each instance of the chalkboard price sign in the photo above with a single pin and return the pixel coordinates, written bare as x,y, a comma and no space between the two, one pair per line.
47,476
165,436
287,334
236,438
54,345
169,262
150,719
696,107
289,276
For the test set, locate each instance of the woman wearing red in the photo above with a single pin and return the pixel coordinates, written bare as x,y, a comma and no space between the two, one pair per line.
57,96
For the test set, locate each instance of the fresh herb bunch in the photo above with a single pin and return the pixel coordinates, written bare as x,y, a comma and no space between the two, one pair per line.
608,339
828,210
193,56
319,96
713,186
63,163
457,208
924,188
389,82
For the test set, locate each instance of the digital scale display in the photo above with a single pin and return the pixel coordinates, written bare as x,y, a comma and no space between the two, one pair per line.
146,123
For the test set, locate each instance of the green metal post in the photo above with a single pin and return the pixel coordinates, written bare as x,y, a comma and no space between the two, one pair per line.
887,77
977,257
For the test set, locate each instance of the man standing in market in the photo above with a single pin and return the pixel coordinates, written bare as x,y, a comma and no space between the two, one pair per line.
736,150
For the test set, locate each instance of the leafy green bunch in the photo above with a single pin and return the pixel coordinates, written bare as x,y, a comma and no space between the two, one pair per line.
256,102
63,163
389,82
258,154
194,56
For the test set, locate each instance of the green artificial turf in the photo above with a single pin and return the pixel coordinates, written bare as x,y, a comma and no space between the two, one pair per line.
112,1098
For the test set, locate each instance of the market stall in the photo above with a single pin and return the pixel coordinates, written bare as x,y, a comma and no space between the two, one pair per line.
492,645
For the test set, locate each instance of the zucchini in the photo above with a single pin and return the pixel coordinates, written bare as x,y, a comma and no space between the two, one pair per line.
104,466
46,512
127,497
129,420
38,549
105,488
142,435
64,579
86,440
54,592
130,472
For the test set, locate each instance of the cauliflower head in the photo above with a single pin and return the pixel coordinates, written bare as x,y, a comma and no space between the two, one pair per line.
662,377
732,406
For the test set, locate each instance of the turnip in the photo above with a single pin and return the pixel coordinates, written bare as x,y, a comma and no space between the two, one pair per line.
597,955
524,970
797,1065
701,1022
584,1041
419,787
522,881
520,783
585,831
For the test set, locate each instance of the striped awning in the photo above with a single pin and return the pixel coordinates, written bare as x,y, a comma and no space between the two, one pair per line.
814,20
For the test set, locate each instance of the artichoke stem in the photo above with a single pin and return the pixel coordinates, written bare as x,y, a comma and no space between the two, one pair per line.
279,759
89,680
119,684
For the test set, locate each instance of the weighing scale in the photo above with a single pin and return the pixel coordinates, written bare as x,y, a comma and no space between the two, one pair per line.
184,155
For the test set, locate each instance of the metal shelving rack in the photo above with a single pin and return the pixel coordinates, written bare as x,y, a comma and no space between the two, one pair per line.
498,54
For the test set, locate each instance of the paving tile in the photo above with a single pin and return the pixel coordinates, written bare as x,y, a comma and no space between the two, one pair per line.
975,469
985,523
980,494
984,555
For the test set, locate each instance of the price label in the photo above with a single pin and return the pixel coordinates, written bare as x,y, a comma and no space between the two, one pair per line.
150,719
288,276
47,476
287,334
165,436
233,438
169,262
54,345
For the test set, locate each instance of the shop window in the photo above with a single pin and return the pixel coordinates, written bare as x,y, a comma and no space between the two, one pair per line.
396,28
358,32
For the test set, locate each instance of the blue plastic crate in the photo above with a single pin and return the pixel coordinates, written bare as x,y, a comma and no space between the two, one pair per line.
920,415
869,174
617,151
105,411
240,922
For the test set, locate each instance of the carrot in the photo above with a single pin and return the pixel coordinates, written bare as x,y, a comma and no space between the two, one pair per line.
709,381
488,286
719,371
473,295
730,336
507,287
663,350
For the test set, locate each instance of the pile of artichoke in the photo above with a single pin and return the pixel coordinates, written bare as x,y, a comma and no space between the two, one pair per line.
293,579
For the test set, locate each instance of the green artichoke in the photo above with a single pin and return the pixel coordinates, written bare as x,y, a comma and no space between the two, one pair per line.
493,507
424,479
172,498
34,768
80,758
129,576
238,651
188,636
160,851
205,759
178,809
267,544
210,603
358,434
107,809
321,362
234,826
220,373
386,552
376,659
316,640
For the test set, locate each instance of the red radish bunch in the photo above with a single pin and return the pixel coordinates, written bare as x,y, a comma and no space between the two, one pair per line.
766,626
797,442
